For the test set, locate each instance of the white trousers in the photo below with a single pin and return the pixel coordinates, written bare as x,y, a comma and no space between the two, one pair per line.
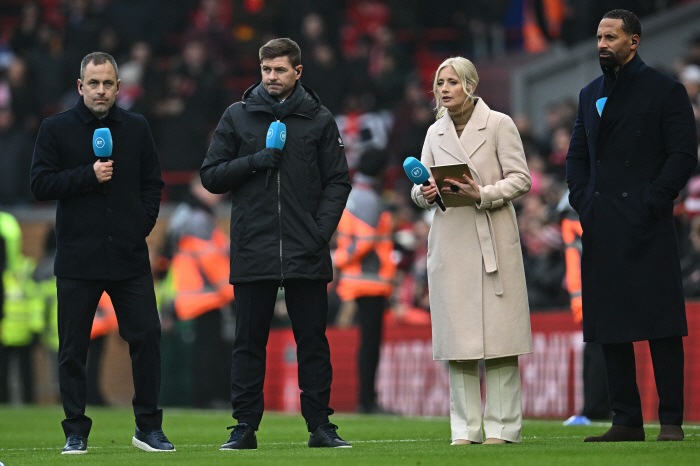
503,414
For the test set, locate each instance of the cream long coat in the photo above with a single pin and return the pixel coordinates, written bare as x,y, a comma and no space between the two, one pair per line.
478,299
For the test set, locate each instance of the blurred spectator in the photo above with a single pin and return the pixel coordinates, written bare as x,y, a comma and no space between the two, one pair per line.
690,263
52,68
325,76
185,113
690,78
530,145
361,129
411,120
366,267
561,137
25,35
199,251
22,95
16,148
139,79
211,26
81,27
135,20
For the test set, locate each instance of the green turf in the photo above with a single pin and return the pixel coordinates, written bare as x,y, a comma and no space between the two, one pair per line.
33,435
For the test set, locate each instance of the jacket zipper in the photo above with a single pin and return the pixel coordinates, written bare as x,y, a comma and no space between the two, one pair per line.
279,219
279,211
279,216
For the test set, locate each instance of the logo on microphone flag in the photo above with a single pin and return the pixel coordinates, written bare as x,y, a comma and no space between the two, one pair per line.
100,143
417,172
283,136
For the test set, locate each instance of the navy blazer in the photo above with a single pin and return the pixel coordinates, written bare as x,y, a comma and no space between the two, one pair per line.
101,230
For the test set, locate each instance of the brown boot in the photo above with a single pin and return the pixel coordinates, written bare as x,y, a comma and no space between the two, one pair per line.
620,434
670,432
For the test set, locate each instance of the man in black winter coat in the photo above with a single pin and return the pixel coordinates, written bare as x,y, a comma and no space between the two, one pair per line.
104,213
629,157
286,204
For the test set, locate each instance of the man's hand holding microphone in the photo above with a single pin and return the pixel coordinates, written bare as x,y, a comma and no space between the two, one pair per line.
268,158
272,154
102,147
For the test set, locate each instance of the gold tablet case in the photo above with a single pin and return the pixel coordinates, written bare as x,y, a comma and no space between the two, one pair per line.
440,172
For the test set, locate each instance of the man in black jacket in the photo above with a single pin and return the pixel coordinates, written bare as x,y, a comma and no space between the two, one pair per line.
104,213
279,234
632,150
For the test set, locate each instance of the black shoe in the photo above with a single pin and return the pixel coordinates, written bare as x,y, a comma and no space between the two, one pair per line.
75,445
242,438
325,436
152,441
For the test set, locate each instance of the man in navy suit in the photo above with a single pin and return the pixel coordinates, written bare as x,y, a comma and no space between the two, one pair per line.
633,148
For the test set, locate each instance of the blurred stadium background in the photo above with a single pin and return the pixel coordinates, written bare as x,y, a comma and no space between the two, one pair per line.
182,62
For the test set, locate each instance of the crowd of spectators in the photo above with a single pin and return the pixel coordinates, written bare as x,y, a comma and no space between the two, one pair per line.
182,62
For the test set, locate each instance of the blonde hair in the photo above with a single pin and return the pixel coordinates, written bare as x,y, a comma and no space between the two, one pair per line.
466,71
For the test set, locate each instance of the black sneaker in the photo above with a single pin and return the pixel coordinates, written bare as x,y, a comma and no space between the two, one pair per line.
325,436
242,438
152,441
75,445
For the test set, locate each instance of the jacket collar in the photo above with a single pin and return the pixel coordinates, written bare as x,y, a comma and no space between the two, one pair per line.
464,146
632,67
308,107
115,113
478,120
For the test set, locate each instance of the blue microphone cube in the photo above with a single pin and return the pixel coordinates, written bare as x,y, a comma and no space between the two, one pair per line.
276,135
102,143
415,170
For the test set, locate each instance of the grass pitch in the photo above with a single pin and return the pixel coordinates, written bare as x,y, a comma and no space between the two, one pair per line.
33,435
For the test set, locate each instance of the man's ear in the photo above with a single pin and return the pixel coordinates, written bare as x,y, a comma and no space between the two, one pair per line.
80,87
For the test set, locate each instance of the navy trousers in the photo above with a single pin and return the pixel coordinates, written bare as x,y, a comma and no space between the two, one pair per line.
667,359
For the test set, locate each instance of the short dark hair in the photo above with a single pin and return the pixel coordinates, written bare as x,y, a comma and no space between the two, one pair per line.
98,58
630,22
283,47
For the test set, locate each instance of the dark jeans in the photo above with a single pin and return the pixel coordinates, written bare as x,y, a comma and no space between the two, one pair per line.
667,359
135,305
307,305
370,311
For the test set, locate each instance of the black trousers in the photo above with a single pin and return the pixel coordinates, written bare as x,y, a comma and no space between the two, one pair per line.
595,389
135,305
370,311
667,359
307,306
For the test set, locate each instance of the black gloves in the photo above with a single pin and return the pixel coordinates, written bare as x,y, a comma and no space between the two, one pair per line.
266,158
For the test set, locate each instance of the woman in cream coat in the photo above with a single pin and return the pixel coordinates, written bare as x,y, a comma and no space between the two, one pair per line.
478,300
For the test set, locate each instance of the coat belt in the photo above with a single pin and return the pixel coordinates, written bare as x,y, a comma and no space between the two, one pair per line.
484,227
